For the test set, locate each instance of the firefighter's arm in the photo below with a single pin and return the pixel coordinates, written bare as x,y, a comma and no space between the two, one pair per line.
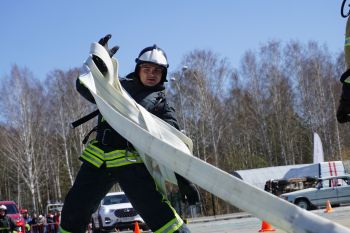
169,116
167,113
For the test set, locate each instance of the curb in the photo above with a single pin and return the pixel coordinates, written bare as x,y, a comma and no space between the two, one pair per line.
218,217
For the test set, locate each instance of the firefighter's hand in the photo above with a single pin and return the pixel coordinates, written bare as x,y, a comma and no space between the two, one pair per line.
190,194
98,61
104,42
188,191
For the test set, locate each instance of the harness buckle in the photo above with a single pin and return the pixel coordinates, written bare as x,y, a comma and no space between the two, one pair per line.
128,159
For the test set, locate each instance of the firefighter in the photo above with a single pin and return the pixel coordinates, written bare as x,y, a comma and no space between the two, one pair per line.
110,158
6,223
343,112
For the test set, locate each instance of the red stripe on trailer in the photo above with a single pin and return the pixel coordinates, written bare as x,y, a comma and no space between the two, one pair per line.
335,168
330,168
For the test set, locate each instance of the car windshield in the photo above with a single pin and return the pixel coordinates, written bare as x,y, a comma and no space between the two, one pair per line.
115,199
333,182
11,209
54,208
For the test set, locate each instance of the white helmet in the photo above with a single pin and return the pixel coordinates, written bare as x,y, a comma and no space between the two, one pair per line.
153,54
3,207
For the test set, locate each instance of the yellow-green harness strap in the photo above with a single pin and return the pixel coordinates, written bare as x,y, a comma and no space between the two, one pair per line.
172,225
116,158
347,41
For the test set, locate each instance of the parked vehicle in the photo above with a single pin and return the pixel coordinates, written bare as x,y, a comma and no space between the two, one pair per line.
116,212
54,207
259,176
335,189
280,186
13,212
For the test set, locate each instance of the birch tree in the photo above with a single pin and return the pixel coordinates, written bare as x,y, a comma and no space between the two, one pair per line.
66,105
21,102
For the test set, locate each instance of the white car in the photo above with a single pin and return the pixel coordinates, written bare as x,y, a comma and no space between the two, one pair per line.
115,212
335,189
54,207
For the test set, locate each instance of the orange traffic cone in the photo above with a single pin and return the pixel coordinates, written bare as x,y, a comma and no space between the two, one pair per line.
265,227
136,228
328,207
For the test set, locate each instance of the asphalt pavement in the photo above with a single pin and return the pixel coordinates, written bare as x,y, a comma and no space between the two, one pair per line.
243,222
246,223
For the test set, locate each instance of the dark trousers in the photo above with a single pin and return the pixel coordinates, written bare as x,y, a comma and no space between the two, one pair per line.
92,184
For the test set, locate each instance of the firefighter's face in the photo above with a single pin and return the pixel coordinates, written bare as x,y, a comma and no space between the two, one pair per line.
150,74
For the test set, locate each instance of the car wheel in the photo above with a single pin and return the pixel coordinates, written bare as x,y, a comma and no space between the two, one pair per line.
303,203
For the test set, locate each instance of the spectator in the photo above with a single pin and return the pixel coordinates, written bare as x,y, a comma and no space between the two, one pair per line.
34,224
27,219
42,224
50,220
6,223
34,220
57,217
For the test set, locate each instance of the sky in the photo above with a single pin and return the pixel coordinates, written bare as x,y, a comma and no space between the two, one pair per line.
43,35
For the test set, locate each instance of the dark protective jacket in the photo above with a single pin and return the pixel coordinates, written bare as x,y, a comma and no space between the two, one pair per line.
6,224
112,150
111,142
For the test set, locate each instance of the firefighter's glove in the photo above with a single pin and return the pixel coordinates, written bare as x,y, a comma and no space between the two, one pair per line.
188,191
98,61
343,112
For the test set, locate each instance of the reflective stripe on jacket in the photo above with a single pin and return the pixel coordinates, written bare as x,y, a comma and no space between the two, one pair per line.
173,225
115,158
